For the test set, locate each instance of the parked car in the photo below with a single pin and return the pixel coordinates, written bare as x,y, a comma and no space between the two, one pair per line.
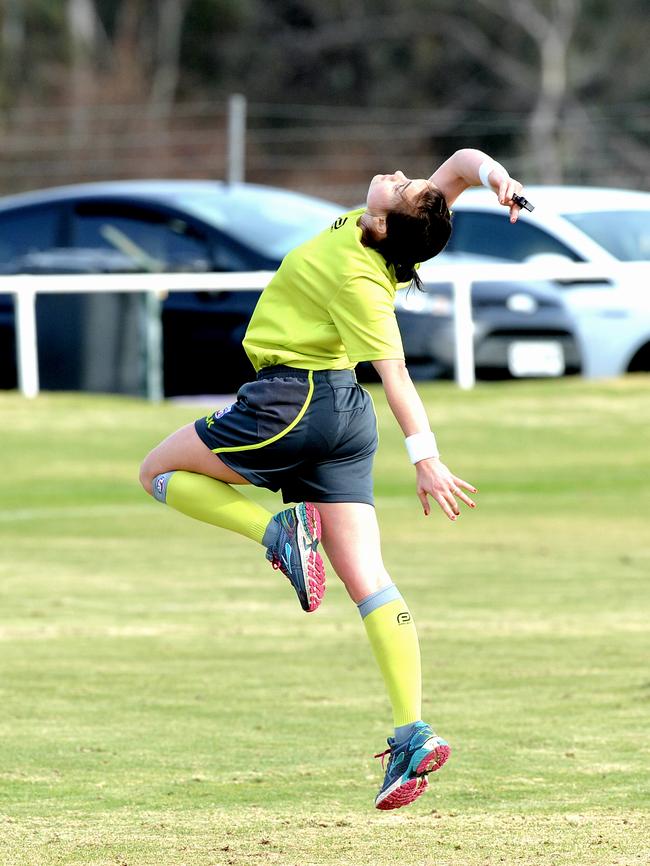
577,224
521,329
87,342
210,226
157,226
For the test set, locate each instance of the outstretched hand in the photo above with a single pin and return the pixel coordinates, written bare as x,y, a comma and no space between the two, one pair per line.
434,479
508,187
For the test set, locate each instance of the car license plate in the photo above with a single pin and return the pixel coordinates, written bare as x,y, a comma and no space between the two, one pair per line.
535,358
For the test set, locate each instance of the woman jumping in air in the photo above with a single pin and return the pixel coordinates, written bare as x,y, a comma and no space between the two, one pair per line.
305,427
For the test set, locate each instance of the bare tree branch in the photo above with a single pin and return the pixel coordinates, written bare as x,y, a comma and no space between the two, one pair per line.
530,19
633,151
171,16
391,27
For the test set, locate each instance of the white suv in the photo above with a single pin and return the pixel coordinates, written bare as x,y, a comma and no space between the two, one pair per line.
578,224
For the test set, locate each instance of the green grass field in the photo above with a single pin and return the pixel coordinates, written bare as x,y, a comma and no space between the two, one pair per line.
163,700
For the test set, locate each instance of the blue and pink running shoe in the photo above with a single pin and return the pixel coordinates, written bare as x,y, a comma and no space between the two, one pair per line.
408,765
295,553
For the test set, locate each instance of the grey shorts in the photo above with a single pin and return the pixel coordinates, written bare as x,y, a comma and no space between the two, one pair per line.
310,434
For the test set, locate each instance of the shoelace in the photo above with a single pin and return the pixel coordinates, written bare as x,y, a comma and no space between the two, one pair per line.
277,563
382,755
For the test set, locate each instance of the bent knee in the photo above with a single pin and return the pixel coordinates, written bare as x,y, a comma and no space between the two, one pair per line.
146,476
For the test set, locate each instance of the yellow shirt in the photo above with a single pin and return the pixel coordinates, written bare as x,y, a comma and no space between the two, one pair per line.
330,305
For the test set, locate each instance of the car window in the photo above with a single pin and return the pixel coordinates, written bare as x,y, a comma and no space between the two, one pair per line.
624,234
489,234
150,237
272,222
28,230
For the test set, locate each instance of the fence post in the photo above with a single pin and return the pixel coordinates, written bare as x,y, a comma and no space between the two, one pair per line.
236,168
465,373
154,348
27,347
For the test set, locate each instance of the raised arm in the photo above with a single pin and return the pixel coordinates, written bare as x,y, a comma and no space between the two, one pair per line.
433,478
469,167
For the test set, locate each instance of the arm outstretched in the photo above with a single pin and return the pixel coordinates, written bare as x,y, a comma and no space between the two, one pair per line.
470,167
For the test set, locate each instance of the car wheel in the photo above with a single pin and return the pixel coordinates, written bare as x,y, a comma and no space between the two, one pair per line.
640,363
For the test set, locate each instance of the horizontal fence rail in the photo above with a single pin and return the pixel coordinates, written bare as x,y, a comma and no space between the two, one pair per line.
26,287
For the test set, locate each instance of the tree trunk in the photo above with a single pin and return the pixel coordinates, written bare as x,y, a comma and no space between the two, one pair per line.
82,27
552,36
544,121
13,40
171,15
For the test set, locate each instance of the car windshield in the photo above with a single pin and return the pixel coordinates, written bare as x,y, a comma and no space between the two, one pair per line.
624,234
271,222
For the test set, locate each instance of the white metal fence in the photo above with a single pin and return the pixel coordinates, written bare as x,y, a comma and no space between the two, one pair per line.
26,287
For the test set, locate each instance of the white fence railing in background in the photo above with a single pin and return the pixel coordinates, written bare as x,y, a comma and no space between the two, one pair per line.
26,287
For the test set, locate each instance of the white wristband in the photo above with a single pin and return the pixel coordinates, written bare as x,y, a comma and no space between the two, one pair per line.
421,446
484,171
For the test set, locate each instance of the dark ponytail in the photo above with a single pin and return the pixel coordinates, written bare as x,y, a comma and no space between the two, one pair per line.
413,236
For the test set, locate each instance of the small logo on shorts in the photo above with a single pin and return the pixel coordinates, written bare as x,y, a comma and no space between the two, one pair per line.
160,483
403,617
222,412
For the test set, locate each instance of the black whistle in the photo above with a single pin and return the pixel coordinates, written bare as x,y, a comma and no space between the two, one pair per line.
523,202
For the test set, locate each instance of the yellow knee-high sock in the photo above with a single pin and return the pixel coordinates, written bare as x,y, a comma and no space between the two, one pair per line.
212,502
394,641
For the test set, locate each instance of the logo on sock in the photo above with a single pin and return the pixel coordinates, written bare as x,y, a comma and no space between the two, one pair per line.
159,486
403,618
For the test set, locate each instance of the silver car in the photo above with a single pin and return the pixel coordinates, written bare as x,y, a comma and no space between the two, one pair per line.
576,224
520,329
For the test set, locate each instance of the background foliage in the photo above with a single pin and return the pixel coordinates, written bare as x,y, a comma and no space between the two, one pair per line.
99,88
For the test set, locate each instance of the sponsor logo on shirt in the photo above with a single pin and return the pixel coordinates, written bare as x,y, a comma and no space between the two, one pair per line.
341,221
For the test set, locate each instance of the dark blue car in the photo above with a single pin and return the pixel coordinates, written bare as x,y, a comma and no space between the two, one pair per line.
147,226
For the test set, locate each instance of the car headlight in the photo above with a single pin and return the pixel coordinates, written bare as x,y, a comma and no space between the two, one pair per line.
424,302
520,302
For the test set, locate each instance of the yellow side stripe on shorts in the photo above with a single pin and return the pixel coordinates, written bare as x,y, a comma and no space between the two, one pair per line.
296,420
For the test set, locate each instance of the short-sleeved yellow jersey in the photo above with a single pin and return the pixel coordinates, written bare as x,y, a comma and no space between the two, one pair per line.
330,305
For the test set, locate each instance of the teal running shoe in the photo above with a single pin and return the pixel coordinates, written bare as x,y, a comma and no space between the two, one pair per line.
295,553
408,765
